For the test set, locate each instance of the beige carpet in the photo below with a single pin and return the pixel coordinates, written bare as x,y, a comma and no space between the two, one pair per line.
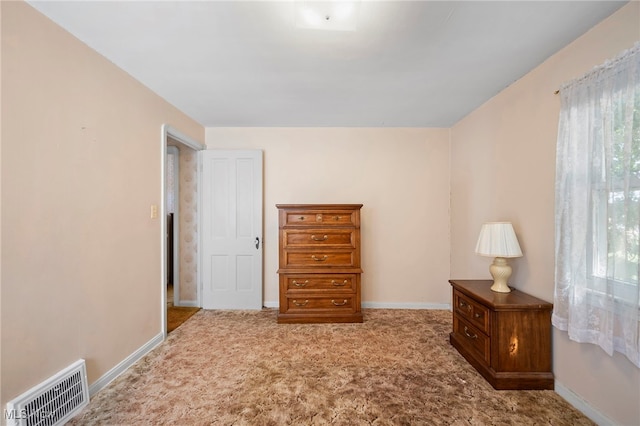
241,368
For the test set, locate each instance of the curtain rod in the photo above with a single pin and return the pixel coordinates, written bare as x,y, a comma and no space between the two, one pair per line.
608,64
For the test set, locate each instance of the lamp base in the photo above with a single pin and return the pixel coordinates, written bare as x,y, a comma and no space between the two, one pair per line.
500,271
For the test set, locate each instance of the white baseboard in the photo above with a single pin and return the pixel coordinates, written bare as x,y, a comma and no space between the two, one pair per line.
188,303
582,405
111,375
383,305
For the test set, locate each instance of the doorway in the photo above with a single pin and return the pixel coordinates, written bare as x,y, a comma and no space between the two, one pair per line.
180,272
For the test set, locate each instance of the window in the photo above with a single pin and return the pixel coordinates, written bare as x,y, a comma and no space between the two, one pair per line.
598,207
616,207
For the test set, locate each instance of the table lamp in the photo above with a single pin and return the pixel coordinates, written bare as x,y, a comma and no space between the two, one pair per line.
498,240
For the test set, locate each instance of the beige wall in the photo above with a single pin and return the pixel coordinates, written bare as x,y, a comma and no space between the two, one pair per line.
503,168
400,175
81,153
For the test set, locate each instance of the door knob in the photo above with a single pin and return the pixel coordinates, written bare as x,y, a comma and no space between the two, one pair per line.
257,242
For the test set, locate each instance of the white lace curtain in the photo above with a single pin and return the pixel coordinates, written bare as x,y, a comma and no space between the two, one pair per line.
598,207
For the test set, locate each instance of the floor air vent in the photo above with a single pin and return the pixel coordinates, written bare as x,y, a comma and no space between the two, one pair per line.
52,402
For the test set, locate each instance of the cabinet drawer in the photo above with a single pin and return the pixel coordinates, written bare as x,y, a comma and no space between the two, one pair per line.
325,303
304,283
472,311
302,238
306,218
472,338
319,259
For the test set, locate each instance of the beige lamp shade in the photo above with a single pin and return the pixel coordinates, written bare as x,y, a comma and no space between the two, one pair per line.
498,240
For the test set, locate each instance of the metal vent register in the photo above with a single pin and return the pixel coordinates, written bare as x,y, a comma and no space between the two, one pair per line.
52,402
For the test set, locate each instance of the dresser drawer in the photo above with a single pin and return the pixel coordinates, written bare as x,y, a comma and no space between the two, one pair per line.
317,282
304,238
327,303
316,259
472,338
472,311
324,218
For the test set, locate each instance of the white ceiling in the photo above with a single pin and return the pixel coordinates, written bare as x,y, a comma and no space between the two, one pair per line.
408,64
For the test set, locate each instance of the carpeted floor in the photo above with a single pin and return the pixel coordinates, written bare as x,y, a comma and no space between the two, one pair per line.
241,368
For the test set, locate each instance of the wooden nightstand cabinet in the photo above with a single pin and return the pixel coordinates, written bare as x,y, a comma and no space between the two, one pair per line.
319,263
505,336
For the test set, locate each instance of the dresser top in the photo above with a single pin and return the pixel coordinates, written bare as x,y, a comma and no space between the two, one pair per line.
319,206
480,290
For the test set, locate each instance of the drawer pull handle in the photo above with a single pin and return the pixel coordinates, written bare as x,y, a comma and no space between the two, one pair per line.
465,305
324,238
295,302
477,315
301,218
337,284
470,336
336,218
317,259
344,302
297,284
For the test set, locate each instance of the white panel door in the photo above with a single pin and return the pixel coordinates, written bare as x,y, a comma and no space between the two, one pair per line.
231,227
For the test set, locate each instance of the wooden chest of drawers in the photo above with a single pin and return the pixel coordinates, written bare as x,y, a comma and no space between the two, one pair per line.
319,269
505,336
